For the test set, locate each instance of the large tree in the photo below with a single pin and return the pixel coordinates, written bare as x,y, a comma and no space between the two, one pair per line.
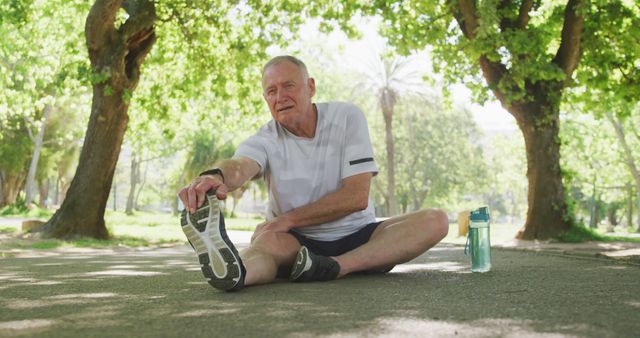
116,52
523,52
520,65
223,44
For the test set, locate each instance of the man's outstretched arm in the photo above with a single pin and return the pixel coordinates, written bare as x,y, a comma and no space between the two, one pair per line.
351,197
236,172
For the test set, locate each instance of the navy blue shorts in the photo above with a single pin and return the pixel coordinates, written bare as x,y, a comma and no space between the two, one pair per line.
339,246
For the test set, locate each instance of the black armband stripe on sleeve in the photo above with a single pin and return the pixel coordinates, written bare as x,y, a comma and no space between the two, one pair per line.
362,160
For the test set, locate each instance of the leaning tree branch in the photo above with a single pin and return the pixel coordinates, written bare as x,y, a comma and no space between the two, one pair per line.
99,26
493,71
138,34
523,15
465,14
521,22
628,154
141,16
29,132
568,54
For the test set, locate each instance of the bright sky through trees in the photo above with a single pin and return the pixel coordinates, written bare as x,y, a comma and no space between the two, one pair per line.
491,117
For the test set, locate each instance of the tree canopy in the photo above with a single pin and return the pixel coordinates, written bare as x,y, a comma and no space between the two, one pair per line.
166,71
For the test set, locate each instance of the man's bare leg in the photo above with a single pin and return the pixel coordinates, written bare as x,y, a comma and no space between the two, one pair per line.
397,240
266,254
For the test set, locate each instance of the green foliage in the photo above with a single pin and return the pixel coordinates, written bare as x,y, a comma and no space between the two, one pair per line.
118,241
99,77
579,233
40,61
7,230
506,189
19,209
47,244
139,218
16,12
525,53
15,147
594,169
16,209
609,73
440,155
207,148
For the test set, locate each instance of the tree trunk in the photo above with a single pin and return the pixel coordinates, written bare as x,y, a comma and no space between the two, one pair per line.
11,186
628,157
612,215
143,181
539,121
638,202
418,198
2,203
56,194
387,111
134,178
538,117
237,195
593,211
43,188
116,55
630,206
31,176
62,186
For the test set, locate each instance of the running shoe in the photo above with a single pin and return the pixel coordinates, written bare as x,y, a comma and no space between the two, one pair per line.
310,267
219,260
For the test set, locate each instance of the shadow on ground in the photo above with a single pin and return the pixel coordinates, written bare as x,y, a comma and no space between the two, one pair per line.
161,292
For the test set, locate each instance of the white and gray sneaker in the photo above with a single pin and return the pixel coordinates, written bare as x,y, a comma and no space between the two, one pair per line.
220,262
310,267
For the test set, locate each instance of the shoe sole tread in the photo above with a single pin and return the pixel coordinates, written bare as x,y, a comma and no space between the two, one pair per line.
218,258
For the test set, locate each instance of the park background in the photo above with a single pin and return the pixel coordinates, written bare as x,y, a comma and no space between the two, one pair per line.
453,145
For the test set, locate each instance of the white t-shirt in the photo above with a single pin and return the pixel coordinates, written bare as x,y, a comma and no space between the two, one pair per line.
299,171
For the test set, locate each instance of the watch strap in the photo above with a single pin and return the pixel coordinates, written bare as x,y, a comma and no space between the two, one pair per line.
214,171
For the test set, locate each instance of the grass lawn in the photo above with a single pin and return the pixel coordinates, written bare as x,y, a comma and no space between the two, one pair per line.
146,228
138,230
163,227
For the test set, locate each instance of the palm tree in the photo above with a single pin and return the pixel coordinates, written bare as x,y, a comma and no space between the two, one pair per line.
390,78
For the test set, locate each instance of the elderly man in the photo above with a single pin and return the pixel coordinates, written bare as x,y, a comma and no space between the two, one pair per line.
317,161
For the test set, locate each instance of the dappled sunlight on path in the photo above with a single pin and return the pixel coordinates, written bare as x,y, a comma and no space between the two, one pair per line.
160,292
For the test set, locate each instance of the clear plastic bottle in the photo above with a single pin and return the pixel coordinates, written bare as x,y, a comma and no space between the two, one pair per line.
480,245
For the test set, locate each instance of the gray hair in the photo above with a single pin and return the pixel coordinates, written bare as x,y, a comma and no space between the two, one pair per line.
281,58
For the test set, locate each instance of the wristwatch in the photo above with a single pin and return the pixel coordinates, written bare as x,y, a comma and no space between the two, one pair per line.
214,171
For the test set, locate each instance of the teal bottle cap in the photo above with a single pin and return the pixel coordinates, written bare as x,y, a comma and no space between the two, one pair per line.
480,215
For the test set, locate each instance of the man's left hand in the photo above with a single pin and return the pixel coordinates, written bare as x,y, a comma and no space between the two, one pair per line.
278,224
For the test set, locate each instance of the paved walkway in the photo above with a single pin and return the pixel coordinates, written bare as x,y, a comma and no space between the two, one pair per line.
621,251
534,289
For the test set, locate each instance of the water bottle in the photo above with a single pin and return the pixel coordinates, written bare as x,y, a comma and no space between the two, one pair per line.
478,239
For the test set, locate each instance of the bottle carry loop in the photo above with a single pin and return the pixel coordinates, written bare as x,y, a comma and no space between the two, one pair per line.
467,246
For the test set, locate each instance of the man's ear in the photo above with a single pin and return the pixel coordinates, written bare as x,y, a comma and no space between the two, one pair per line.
312,86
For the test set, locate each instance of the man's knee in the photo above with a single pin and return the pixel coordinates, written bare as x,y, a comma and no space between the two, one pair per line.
277,244
434,223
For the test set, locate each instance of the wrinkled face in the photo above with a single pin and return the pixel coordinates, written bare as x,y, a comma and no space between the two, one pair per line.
288,93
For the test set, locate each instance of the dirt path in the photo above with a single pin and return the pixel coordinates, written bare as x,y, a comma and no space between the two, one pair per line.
161,293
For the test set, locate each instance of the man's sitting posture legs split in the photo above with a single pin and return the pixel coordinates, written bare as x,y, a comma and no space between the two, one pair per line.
318,163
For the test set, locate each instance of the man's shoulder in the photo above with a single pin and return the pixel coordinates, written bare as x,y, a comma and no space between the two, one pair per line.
268,129
340,110
340,106
266,132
